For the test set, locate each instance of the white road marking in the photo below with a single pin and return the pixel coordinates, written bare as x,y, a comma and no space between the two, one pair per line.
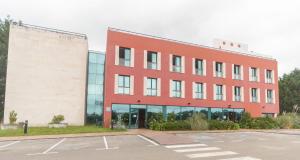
55,145
106,145
238,140
211,154
241,158
49,149
105,142
9,144
186,145
197,149
219,141
148,140
295,141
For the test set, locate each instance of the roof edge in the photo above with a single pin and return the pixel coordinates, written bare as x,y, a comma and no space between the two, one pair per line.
191,44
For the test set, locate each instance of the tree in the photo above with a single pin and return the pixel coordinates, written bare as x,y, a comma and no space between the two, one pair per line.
289,91
4,34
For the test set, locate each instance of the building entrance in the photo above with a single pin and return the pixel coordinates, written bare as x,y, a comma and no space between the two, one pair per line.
137,116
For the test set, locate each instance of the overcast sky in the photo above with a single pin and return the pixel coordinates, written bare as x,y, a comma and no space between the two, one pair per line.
270,27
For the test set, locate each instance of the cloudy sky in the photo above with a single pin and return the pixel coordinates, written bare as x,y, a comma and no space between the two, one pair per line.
270,27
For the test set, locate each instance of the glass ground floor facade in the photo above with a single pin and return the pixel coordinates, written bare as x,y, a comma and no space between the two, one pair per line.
137,115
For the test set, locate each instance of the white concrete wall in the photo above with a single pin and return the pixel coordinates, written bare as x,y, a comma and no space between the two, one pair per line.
46,75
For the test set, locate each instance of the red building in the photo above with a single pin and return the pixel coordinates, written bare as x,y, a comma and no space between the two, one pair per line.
147,75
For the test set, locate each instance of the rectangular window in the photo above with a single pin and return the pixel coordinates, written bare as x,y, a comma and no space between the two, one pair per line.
237,94
152,86
151,60
124,56
199,66
176,88
254,74
176,63
254,95
237,72
269,76
269,96
123,84
219,92
219,69
198,89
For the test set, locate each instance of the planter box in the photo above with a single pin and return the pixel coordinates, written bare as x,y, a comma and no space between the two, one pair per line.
9,126
59,125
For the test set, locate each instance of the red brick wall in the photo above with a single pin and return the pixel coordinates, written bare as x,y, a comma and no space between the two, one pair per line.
141,43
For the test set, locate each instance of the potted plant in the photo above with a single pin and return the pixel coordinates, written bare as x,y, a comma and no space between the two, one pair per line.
12,121
57,122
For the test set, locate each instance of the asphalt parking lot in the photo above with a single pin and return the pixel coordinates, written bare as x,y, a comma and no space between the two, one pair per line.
206,146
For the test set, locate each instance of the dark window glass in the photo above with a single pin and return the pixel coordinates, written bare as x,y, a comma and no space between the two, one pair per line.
124,56
151,60
199,66
176,63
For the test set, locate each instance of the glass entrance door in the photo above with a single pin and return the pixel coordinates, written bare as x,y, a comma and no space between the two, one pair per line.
134,116
137,116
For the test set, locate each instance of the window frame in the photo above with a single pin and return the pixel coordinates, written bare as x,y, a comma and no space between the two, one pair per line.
151,89
199,70
151,63
219,92
126,61
199,90
123,88
176,67
219,65
176,84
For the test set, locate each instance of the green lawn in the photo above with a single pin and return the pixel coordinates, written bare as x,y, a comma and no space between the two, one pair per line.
51,131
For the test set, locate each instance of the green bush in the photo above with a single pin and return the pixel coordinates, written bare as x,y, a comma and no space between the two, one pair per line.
288,121
156,121
57,119
222,125
263,123
246,120
176,125
198,122
12,117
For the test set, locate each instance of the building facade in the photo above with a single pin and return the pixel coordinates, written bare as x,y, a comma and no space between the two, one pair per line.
139,77
46,75
150,75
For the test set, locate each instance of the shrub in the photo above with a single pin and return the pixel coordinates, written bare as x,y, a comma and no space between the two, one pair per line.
12,117
263,123
222,125
57,119
288,121
246,120
198,122
176,125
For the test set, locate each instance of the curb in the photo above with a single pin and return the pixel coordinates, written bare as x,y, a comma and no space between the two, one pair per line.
79,135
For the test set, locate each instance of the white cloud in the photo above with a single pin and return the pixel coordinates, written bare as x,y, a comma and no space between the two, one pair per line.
268,27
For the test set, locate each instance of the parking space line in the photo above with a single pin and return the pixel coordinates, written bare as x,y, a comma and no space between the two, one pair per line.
55,145
49,149
106,145
197,149
148,140
105,142
186,145
211,154
9,144
241,158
